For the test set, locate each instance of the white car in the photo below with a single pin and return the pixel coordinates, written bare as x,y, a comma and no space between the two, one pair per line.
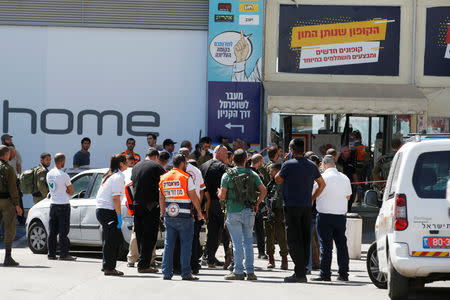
85,230
413,225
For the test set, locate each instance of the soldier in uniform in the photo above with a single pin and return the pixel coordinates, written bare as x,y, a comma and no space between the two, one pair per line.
40,177
381,169
9,203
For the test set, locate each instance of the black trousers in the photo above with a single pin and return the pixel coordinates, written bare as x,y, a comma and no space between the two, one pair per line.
215,226
332,227
260,235
298,229
146,226
59,224
111,237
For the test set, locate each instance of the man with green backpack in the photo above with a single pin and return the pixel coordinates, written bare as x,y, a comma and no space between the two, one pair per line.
33,181
243,191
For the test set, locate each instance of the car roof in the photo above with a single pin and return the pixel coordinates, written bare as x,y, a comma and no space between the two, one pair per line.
428,145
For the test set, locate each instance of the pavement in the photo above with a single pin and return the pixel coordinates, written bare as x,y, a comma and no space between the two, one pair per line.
39,278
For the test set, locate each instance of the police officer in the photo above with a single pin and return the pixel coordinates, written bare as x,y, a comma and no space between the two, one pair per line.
9,203
381,169
40,177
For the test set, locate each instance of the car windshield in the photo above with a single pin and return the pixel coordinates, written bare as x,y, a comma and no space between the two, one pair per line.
431,173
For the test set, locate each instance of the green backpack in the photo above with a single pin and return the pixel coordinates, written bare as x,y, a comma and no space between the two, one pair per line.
28,181
244,187
3,181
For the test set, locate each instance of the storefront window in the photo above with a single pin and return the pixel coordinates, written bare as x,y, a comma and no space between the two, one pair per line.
438,125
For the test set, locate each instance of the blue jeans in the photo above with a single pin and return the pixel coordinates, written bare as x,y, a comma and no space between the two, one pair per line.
240,226
184,229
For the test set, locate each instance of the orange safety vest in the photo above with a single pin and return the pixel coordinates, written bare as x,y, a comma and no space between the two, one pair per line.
174,187
129,194
137,157
360,152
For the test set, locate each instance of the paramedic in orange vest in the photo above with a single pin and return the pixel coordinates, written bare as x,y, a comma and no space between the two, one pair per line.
176,200
131,143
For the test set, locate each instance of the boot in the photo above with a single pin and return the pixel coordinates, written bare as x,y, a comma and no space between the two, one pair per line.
271,263
228,259
9,261
284,262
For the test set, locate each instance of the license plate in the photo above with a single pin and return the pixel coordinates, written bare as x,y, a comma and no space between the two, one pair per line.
436,242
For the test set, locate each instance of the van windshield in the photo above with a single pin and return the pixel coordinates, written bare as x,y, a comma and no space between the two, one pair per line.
431,173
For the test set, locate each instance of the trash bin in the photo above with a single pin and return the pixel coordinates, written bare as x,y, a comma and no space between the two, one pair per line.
354,235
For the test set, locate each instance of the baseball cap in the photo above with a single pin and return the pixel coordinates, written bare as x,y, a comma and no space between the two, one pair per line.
168,142
6,136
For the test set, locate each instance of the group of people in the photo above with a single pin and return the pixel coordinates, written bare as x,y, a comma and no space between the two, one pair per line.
295,199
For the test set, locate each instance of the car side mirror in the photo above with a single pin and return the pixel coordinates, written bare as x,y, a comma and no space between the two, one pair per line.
371,198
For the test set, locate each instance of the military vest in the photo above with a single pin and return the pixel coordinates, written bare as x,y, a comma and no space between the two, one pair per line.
244,187
4,189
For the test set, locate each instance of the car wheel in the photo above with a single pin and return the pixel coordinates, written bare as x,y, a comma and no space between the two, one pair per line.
378,278
37,238
397,284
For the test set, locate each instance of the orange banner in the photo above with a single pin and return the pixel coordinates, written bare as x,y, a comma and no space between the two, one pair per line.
337,33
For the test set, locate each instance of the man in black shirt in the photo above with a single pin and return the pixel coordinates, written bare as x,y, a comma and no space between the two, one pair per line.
212,172
145,178
348,164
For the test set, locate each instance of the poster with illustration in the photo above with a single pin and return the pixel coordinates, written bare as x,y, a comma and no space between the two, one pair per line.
341,40
235,69
437,42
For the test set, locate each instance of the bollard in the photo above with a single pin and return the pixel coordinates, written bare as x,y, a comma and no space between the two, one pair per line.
353,233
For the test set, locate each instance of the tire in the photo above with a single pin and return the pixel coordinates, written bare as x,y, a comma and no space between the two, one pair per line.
378,278
397,284
37,238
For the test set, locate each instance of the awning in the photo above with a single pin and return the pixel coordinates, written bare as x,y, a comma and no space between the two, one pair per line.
438,102
295,97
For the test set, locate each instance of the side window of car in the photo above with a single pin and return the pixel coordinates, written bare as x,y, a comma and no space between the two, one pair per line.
431,174
96,186
80,185
392,180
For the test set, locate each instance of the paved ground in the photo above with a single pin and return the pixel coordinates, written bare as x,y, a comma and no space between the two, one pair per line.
38,278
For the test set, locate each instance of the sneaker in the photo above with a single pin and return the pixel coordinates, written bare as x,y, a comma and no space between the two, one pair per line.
234,276
212,266
10,262
112,273
68,258
218,263
252,276
190,277
294,279
130,265
167,278
320,278
342,278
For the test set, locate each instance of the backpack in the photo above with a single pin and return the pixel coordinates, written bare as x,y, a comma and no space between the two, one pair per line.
3,181
28,181
244,187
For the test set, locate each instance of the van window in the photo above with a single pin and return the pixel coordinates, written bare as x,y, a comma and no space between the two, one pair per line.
431,173
393,175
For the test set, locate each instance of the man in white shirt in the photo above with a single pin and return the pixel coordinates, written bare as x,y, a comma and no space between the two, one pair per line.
331,205
197,177
60,188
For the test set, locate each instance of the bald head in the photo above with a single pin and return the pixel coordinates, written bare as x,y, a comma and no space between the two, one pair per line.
60,160
185,152
221,153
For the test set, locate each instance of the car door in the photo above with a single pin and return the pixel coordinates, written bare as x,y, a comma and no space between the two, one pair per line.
81,184
428,215
90,227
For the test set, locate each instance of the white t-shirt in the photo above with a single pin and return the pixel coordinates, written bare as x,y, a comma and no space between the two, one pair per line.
113,186
333,199
197,177
58,181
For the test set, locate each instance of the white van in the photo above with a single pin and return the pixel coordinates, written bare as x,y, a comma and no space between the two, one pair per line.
413,225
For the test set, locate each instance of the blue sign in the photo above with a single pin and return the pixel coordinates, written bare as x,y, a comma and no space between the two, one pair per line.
233,111
235,69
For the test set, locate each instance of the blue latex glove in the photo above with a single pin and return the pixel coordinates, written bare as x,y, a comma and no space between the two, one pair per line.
119,219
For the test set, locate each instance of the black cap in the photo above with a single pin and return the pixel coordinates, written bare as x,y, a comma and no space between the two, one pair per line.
168,142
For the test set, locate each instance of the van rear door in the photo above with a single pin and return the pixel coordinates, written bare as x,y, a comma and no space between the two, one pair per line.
428,211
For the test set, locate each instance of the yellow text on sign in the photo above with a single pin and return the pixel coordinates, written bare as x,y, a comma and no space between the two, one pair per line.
337,33
248,7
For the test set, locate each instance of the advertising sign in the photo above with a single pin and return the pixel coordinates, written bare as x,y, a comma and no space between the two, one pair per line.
235,69
437,42
333,39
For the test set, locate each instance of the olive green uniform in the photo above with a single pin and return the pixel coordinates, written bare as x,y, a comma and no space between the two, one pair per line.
201,159
9,199
274,225
41,184
381,170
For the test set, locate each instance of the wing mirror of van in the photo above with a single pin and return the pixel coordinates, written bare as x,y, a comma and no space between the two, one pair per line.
371,199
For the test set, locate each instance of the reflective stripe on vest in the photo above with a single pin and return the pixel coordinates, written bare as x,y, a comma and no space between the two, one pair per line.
174,186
